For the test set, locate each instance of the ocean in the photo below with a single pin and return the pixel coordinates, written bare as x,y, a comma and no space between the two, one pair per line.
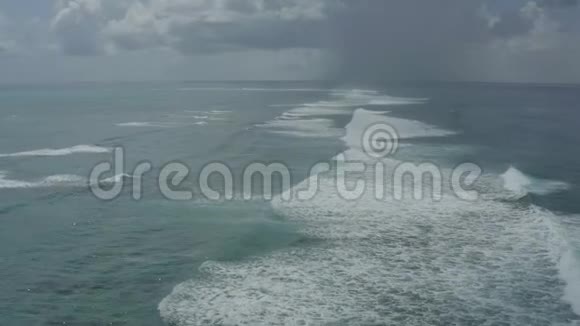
510,256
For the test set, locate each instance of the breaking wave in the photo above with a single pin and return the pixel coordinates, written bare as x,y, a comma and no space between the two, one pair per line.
62,180
147,124
382,261
308,119
521,184
60,152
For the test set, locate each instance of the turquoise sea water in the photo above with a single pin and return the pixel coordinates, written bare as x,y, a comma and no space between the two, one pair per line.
510,258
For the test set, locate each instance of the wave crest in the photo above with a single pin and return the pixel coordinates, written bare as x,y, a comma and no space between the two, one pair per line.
520,184
89,149
59,180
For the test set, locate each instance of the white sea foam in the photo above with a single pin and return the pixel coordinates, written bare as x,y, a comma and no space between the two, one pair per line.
521,184
358,97
388,262
306,111
116,179
405,129
303,127
306,121
569,268
213,115
136,124
62,180
61,152
188,116
343,99
382,261
252,89
161,124
203,114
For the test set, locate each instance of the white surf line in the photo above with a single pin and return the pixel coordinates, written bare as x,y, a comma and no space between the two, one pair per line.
61,152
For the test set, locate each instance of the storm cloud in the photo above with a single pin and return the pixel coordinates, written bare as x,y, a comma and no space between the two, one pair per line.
363,39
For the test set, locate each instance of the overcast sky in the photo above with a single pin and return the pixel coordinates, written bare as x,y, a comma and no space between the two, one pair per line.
486,40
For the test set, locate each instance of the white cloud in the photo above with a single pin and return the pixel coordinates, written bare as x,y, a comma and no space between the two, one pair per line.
195,26
543,33
542,51
78,24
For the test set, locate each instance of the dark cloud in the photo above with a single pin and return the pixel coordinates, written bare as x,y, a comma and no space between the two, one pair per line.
406,39
371,39
558,3
511,24
455,40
